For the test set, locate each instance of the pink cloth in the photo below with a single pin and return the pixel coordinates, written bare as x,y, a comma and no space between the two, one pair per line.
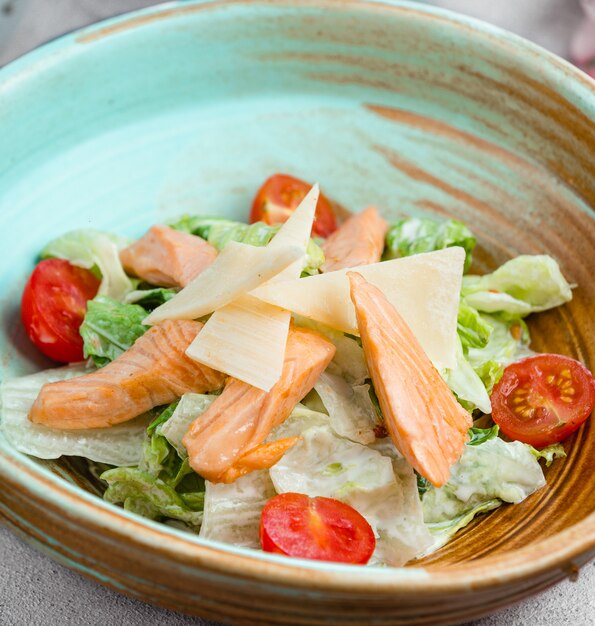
582,47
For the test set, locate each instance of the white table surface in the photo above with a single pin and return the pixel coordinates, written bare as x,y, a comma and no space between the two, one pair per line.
35,591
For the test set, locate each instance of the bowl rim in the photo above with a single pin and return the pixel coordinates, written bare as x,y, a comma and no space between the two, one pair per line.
562,551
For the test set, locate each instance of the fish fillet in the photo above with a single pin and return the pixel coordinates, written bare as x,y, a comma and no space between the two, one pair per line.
154,371
421,413
167,257
358,241
242,416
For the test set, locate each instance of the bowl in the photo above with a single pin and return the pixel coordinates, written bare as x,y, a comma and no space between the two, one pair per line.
188,107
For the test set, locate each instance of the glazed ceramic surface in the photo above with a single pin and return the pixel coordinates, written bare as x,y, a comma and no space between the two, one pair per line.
187,108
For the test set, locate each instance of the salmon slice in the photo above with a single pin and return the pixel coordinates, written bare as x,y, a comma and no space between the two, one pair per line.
358,241
154,371
421,413
262,457
242,416
167,257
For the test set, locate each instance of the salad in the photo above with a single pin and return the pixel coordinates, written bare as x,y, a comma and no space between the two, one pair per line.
347,392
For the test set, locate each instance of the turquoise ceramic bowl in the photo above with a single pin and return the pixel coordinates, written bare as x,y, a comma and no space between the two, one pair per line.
187,107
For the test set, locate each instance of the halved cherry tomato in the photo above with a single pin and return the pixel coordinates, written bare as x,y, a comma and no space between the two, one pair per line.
543,399
280,196
53,307
323,529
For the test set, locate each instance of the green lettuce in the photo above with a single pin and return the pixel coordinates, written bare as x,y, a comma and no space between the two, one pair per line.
413,235
150,299
549,454
490,373
190,406
162,417
162,486
232,511
466,383
94,250
474,331
143,494
481,435
523,285
376,482
110,328
119,445
443,530
487,471
219,232
508,342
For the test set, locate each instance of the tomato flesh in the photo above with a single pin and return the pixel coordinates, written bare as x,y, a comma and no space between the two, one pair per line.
319,528
543,399
53,307
280,195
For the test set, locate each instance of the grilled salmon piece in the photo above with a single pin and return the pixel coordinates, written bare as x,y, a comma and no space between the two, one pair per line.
242,416
167,257
262,457
422,415
358,241
154,371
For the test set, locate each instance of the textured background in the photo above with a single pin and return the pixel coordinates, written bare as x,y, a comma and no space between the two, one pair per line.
34,591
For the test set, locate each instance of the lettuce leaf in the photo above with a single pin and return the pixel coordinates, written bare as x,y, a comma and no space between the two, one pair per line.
163,485
413,235
490,373
492,470
190,406
352,414
110,328
219,232
92,249
349,361
508,342
142,493
118,445
523,285
481,435
232,512
323,464
150,299
442,531
164,414
464,381
549,454
474,331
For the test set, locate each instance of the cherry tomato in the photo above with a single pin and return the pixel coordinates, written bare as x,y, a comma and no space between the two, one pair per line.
53,307
543,399
280,196
324,529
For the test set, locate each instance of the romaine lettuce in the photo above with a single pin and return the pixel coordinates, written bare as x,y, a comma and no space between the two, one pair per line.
191,406
352,414
474,331
146,495
150,299
523,285
481,435
464,381
91,249
219,232
232,511
508,342
110,328
550,453
118,445
163,485
323,464
492,470
413,235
